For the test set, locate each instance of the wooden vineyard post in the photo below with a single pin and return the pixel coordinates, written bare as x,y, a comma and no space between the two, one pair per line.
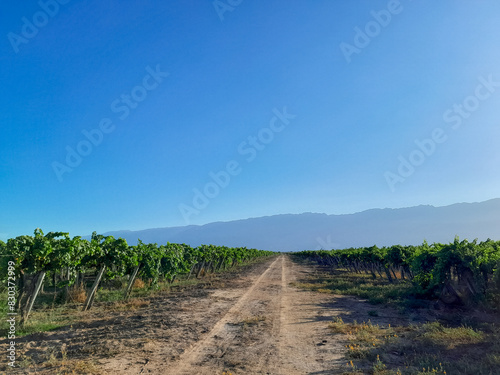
191,271
202,265
209,267
219,267
31,301
68,278
131,282
90,298
22,283
394,274
388,274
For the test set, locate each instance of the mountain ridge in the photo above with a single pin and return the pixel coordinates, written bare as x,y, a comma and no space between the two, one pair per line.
310,231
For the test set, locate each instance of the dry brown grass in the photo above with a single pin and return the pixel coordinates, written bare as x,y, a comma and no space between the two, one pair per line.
138,284
130,305
65,367
137,303
77,294
425,348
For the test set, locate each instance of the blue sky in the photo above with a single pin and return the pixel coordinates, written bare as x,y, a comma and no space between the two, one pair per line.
419,68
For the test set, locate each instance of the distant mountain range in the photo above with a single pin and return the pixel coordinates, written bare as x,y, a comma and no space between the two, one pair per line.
312,231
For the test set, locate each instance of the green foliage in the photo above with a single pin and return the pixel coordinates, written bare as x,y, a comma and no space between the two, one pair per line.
149,256
473,265
56,251
33,254
423,263
64,260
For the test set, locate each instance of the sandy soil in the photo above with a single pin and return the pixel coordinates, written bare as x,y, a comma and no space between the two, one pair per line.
271,329
251,323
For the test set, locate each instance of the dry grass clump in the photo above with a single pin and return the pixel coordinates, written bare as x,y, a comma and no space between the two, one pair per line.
137,303
138,284
77,294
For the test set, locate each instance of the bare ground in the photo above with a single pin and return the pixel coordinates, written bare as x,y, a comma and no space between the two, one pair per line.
253,323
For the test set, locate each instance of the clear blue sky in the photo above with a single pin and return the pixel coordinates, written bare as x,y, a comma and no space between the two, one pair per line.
229,71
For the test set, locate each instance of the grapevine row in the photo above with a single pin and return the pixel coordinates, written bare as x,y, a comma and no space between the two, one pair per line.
64,259
457,272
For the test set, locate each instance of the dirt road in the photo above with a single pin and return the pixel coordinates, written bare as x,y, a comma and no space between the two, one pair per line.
253,322
271,329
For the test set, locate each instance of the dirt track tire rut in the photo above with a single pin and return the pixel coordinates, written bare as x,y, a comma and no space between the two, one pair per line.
271,329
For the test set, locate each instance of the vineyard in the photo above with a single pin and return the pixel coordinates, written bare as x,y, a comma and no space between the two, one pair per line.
459,272
27,263
168,308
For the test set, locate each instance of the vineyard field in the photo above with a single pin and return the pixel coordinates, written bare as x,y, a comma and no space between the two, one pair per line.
173,309
59,261
460,272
